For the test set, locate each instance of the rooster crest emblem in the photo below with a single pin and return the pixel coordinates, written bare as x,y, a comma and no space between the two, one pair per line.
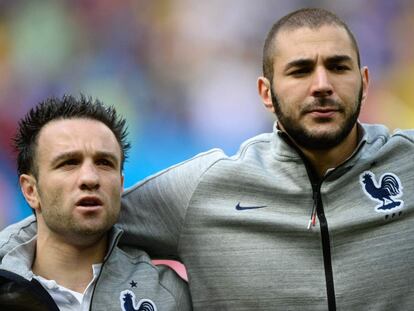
385,191
127,299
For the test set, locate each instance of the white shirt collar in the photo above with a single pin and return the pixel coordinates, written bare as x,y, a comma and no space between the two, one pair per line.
69,300
20,261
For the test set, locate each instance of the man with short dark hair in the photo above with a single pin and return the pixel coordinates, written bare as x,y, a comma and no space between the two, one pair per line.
316,215
70,159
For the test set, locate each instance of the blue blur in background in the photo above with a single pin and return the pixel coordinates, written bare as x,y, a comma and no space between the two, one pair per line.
183,72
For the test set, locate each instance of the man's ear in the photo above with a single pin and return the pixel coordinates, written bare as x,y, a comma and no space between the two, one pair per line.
265,92
365,82
28,186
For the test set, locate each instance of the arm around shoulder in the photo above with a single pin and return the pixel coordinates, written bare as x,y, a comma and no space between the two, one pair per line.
16,234
154,210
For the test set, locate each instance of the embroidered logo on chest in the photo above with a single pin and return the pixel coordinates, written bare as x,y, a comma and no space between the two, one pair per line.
127,299
385,191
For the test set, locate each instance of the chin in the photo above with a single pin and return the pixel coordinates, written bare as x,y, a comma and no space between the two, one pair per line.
93,228
325,131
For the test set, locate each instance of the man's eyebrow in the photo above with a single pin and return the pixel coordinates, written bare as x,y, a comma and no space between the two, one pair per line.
75,154
307,62
106,155
65,156
303,62
338,59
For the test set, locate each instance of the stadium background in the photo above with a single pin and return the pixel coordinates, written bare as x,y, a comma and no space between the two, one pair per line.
183,72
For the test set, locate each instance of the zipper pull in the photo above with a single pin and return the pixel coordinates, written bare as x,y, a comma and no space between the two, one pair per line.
312,220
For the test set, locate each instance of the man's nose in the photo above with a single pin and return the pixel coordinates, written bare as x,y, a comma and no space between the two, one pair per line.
321,84
89,177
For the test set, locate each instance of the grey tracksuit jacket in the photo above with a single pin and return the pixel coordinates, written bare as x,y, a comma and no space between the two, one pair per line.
240,225
128,281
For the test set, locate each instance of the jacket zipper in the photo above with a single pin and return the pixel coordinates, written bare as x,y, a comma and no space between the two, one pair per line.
326,247
317,209
114,244
323,224
316,183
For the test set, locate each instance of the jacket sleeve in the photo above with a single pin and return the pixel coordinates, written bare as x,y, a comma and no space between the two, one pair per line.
177,287
17,233
153,211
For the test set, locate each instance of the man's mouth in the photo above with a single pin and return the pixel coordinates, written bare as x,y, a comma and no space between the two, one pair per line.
323,112
89,202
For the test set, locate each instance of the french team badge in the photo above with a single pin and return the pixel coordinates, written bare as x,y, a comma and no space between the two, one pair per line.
127,299
385,191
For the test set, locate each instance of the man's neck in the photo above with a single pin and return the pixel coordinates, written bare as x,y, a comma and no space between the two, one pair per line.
322,160
69,265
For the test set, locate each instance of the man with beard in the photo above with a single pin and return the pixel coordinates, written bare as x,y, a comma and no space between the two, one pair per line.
316,215
70,160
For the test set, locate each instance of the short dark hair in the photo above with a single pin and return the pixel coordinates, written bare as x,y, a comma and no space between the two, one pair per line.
67,107
308,17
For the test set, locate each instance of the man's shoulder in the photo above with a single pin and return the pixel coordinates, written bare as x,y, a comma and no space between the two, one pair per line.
195,167
379,131
261,142
16,234
184,171
407,134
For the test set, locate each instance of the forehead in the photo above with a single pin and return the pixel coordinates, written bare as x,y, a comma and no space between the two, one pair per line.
80,135
308,43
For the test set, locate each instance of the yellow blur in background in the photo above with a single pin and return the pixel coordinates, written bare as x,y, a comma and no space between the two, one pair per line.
183,72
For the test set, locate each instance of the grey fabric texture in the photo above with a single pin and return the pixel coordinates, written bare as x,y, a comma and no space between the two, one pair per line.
123,266
262,256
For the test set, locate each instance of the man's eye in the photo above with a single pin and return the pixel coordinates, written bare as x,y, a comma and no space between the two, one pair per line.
69,162
339,68
104,162
300,72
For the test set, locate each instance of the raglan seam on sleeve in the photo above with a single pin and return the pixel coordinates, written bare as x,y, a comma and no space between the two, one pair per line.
191,196
240,155
243,150
17,233
403,135
162,172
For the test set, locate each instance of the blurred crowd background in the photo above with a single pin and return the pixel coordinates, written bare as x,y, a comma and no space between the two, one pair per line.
183,72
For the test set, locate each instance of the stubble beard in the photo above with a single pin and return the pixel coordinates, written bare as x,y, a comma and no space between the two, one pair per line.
76,231
308,140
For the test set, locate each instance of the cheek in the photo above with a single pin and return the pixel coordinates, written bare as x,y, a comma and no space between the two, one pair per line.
53,202
115,200
348,89
57,191
292,94
289,107
115,188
